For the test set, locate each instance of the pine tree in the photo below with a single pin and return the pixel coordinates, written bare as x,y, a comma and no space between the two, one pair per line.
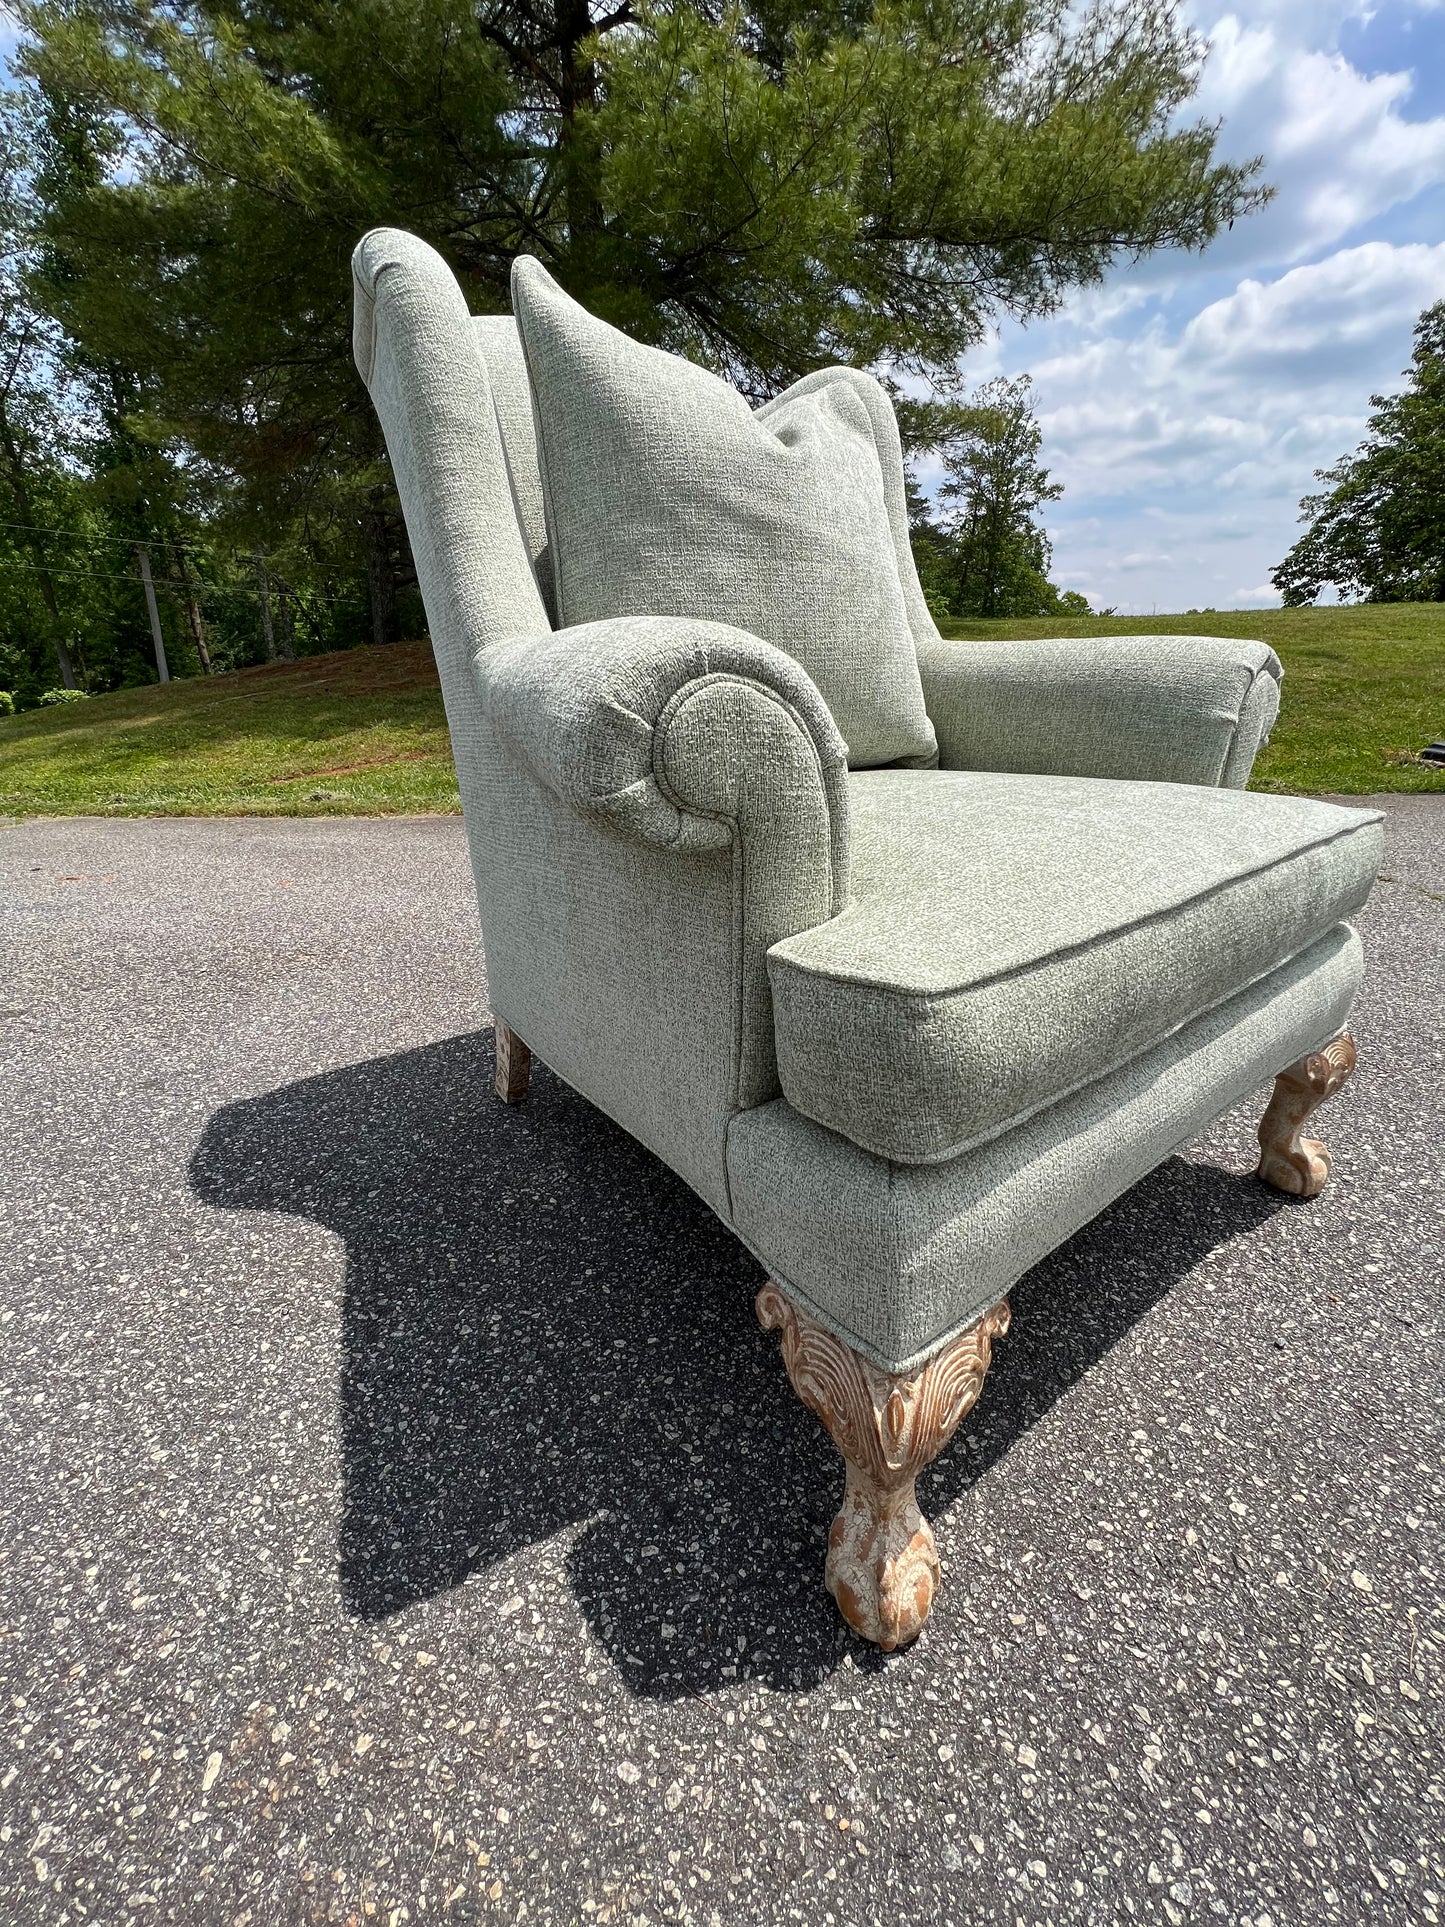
768,187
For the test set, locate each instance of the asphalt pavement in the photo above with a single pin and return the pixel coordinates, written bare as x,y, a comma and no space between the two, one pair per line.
405,1517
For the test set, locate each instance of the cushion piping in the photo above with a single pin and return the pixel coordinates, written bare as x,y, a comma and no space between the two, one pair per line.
922,999
959,1147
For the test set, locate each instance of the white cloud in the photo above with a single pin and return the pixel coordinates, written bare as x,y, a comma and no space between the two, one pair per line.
1337,146
1186,418
1340,147
1184,451
1275,358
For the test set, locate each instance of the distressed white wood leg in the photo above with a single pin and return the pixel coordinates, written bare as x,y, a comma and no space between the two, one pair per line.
882,1560
1289,1160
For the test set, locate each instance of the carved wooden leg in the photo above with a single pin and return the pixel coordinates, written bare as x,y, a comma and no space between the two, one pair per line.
1301,1165
514,1064
882,1562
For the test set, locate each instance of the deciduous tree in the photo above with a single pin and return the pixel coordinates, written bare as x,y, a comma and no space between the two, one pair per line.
983,550
1377,532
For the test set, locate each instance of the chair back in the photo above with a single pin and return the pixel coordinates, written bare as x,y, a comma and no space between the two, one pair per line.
501,350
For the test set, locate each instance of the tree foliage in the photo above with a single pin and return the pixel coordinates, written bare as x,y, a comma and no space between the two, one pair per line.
1377,533
31,428
767,187
88,474
982,551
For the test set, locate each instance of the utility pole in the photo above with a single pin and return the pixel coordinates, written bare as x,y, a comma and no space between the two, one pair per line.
143,553
266,629
288,646
192,603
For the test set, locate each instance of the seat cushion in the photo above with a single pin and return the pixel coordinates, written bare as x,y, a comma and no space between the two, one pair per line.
897,1259
1012,938
666,495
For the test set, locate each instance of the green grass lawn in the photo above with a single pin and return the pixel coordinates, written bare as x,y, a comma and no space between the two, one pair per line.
363,733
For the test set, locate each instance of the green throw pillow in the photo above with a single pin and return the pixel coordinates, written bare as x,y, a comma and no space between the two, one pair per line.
666,495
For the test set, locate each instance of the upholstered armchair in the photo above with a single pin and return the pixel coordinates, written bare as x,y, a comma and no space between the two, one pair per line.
906,992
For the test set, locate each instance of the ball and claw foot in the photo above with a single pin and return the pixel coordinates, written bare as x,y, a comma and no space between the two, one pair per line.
882,1561
1288,1160
514,1064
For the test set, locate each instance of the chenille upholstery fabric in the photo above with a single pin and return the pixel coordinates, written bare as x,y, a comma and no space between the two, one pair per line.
1256,719
667,495
1010,938
501,347
623,964
1166,709
501,350
697,742
418,353
660,815
897,1259
889,445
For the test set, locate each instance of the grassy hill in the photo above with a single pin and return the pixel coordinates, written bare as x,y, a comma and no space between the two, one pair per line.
363,733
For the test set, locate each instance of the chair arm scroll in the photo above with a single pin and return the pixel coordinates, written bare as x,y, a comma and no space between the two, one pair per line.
679,734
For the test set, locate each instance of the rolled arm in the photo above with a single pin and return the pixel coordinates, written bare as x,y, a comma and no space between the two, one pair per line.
1176,709
679,734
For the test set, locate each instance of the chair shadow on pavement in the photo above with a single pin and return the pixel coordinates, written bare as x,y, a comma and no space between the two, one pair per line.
544,1329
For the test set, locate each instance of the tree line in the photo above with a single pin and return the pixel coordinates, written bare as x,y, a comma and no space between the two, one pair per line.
768,187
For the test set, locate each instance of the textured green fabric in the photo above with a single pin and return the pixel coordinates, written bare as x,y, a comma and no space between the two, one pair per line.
607,715
619,963
1010,938
694,739
501,349
884,425
417,353
1256,720
896,1259
1166,709
666,495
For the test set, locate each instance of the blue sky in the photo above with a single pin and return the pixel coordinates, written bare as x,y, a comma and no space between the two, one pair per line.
1187,403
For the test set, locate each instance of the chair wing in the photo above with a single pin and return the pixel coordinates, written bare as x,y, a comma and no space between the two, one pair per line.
419,357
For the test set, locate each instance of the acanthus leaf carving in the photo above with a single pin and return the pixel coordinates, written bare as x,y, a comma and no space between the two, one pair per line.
882,1565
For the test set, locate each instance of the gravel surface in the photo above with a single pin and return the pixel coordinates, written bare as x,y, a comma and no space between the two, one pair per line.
405,1516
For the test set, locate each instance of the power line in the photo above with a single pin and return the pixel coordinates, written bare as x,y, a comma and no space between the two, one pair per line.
168,582
243,557
125,541
91,575
246,560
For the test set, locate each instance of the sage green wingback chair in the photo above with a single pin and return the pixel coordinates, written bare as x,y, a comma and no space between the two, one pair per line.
905,1025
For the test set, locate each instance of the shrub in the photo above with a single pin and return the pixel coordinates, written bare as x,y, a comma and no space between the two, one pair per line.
7,703
53,696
